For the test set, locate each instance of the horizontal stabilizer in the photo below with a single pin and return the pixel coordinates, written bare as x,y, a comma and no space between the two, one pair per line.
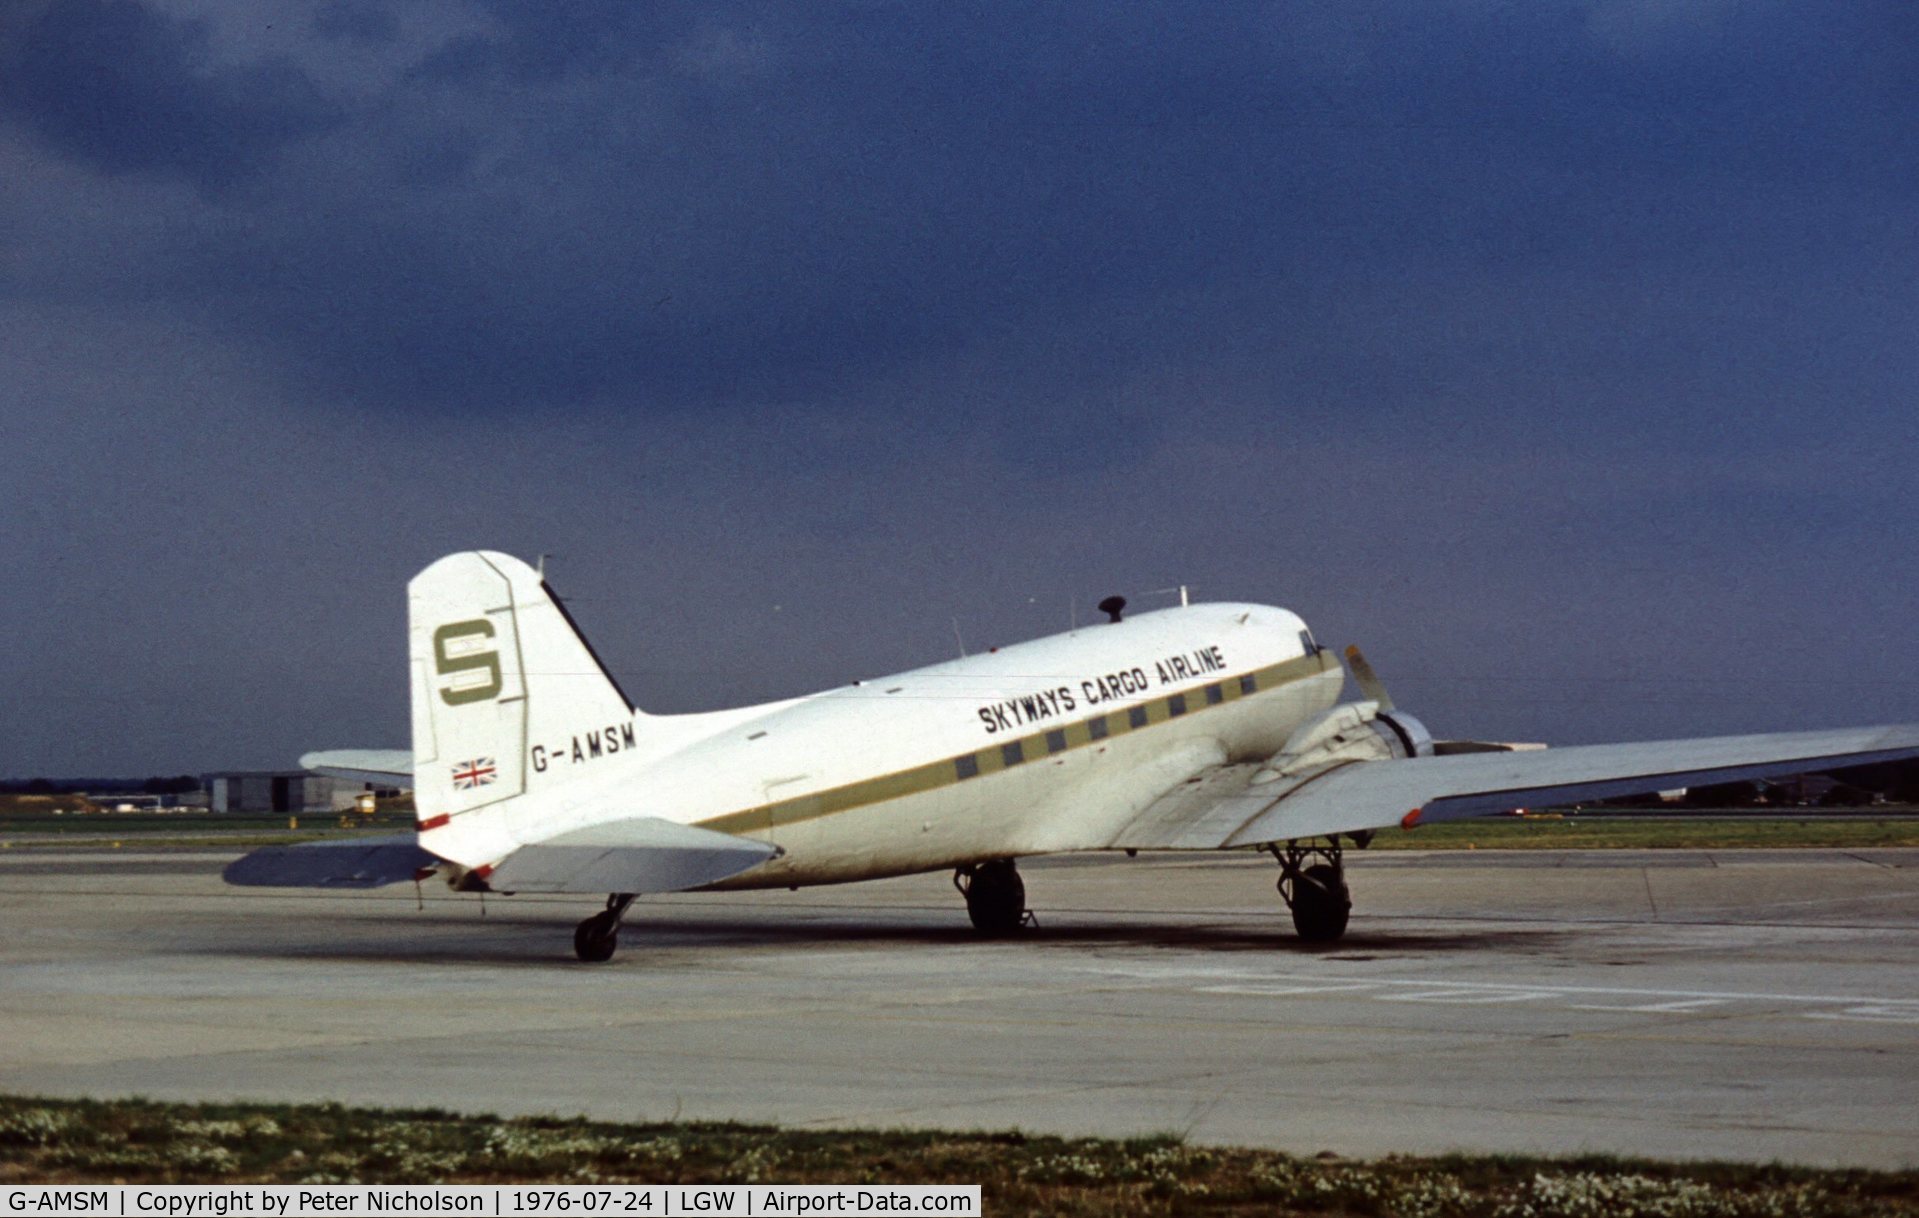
381,767
360,862
642,854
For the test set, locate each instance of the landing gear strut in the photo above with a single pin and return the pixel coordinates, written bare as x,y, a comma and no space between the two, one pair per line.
995,896
595,939
1312,881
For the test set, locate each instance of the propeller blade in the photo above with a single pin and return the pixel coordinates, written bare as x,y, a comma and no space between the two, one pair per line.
1367,680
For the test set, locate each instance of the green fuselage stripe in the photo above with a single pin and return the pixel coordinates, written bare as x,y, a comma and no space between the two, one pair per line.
993,757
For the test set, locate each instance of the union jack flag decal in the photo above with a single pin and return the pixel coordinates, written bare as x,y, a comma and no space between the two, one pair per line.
479,772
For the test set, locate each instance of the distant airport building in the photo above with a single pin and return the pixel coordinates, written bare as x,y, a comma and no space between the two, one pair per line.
290,791
360,796
137,801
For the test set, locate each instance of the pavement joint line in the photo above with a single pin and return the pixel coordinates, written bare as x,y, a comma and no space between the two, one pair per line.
1872,862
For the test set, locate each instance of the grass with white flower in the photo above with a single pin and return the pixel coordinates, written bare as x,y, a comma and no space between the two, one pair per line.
137,1141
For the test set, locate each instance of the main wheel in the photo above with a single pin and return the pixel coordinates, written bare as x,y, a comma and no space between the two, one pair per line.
996,898
1321,903
596,939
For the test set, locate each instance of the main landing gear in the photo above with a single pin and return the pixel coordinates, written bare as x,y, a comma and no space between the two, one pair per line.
595,939
1312,881
995,896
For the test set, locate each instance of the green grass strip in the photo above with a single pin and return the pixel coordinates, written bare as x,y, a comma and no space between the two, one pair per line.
140,1142
1728,831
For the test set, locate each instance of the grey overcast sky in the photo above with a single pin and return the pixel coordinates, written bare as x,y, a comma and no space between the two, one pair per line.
1562,353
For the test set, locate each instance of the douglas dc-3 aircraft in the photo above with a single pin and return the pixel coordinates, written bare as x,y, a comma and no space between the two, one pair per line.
1201,727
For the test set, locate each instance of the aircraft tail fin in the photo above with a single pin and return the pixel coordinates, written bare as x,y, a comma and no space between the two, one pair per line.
500,675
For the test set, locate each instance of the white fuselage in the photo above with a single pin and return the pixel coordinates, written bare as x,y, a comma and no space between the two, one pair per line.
1050,745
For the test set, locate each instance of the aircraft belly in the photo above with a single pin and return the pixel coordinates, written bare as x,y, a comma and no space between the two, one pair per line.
918,832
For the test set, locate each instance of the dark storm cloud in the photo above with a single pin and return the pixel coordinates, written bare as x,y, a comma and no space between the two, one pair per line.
362,21
1562,354
672,205
537,44
119,87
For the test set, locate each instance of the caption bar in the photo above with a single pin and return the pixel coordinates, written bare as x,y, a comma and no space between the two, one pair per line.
491,1200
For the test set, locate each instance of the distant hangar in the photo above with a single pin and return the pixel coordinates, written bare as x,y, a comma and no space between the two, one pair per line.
289,791
286,791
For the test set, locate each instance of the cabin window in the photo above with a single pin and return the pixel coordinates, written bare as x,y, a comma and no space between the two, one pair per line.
1056,742
1012,754
967,766
1096,728
1214,695
1306,643
1176,706
1249,684
1137,716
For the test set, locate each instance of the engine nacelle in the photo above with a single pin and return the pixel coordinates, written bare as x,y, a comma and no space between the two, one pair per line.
1351,731
1412,738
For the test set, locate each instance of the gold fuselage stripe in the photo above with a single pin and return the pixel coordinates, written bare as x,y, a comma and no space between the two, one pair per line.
992,758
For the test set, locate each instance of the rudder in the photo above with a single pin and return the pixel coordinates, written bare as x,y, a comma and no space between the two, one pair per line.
495,659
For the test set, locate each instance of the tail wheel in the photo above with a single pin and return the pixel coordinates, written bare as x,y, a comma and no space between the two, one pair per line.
598,937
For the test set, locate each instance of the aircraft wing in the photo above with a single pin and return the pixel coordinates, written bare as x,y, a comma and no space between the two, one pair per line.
640,854
1223,807
381,767
358,862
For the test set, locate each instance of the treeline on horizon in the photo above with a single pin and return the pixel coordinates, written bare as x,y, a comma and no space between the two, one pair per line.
178,784
1853,786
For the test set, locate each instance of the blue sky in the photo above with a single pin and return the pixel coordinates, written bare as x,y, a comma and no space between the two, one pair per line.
1563,355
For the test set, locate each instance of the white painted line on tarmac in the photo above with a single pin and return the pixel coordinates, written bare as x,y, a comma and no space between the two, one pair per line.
1288,991
1177,975
1630,1000
1874,1013
1688,1004
1471,997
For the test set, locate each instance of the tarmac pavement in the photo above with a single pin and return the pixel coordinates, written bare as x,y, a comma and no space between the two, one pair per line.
1744,1005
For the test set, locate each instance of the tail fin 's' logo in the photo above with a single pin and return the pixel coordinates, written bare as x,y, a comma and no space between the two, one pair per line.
475,669
479,772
